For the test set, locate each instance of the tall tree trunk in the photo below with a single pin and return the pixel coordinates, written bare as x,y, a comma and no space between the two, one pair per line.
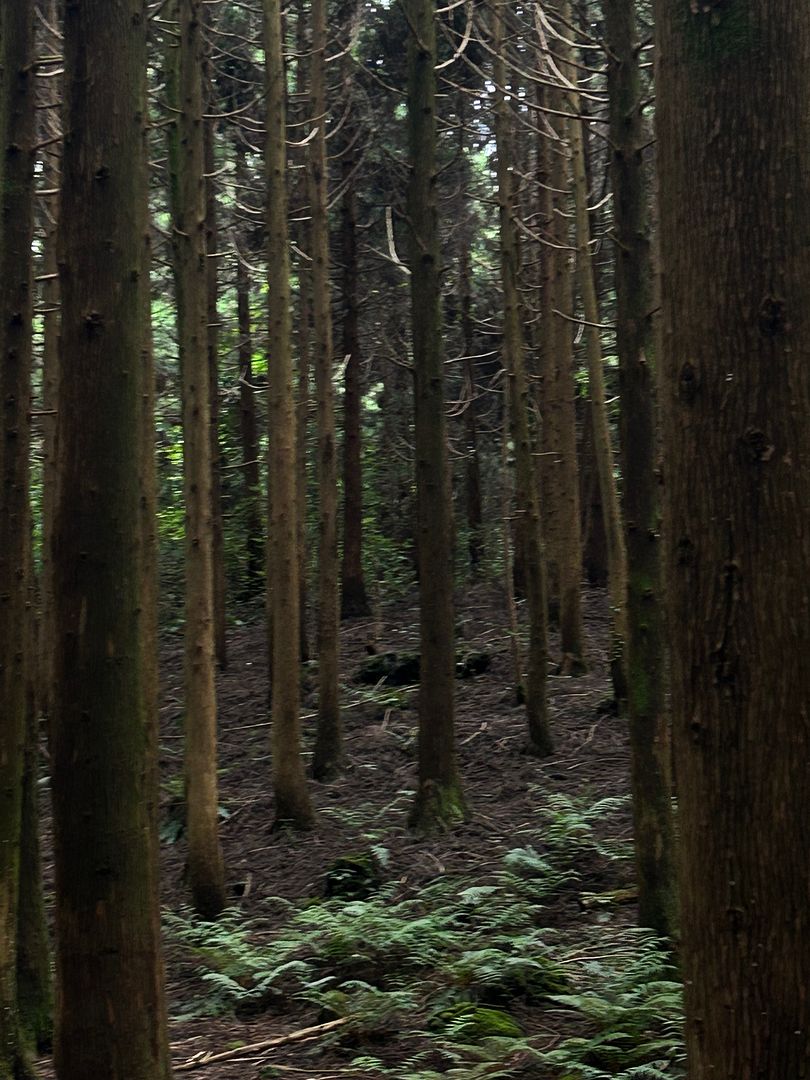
518,403
17,128
646,704
248,428
186,158
50,131
472,468
212,303
34,991
600,426
354,601
111,1020
733,136
292,802
559,414
328,755
439,800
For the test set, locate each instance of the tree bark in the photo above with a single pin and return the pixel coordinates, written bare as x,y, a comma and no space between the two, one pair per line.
518,403
354,601
328,755
600,427
111,1019
559,393
188,204
212,302
17,136
645,643
292,802
733,136
439,802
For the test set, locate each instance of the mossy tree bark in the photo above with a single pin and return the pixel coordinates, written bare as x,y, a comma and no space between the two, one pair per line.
188,206
17,137
733,137
439,802
111,1017
646,704
328,756
292,803
518,402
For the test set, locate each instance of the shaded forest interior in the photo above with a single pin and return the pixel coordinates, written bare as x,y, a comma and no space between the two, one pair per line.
403,541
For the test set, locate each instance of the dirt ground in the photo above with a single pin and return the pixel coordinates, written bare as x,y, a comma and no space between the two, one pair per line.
500,781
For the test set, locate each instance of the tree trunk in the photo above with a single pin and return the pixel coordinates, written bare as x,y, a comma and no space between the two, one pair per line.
439,802
518,403
212,303
111,1020
559,399
249,436
17,128
328,755
186,163
354,601
34,991
646,668
600,427
292,802
733,136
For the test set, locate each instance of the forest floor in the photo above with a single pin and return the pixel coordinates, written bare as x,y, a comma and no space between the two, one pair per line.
504,949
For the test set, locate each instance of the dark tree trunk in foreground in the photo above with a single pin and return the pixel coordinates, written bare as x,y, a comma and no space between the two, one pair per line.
733,138
293,806
644,645
111,1020
16,230
439,802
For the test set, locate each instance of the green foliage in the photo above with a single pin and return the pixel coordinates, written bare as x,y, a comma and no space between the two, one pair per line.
440,972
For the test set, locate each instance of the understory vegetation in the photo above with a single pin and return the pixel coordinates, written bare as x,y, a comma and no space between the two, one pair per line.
441,980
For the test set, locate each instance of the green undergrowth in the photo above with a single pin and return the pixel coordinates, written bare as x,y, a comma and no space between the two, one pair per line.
463,978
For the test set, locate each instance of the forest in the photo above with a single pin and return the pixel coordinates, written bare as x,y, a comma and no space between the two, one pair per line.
404,539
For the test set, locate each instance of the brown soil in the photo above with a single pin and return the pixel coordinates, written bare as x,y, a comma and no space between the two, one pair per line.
500,781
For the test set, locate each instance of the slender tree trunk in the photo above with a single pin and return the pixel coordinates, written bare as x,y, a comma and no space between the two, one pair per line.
186,156
439,800
50,131
249,433
600,427
354,601
594,548
17,136
472,472
304,343
518,399
34,991
212,303
515,651
293,806
559,396
733,136
111,1020
649,724
328,756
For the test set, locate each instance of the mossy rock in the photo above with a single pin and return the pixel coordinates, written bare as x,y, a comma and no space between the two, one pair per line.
531,981
354,876
390,669
471,664
477,1022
